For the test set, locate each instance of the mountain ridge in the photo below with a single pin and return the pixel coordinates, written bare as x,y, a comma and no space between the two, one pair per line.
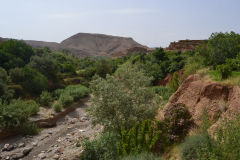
91,44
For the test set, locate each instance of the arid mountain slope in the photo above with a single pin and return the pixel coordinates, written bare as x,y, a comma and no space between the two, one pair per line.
197,94
99,44
86,44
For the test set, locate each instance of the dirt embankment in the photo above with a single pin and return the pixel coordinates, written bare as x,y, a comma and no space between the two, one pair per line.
219,100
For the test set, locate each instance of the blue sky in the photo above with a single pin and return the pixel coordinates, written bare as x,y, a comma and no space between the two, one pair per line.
150,22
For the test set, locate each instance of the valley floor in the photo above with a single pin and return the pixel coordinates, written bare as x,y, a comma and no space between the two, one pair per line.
60,142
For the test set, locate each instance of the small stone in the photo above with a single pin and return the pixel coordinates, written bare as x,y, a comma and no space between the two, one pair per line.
34,143
84,119
20,145
27,150
72,121
42,151
59,140
7,147
68,135
18,156
69,127
7,158
56,156
42,156
81,131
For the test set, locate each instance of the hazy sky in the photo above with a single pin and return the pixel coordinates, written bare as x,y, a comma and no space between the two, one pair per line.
151,22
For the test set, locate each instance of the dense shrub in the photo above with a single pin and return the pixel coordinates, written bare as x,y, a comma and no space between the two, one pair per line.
174,83
225,70
121,100
179,121
199,147
46,65
17,75
222,46
77,91
147,136
102,147
57,107
164,92
228,138
3,75
46,98
30,129
16,113
31,107
14,53
34,82
66,100
142,156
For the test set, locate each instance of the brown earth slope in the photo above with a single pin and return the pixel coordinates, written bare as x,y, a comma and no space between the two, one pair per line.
185,45
219,100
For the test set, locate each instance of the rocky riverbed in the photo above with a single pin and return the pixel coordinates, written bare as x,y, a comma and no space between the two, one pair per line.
62,142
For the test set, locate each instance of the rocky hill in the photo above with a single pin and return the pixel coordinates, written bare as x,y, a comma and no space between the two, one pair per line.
218,99
86,44
185,45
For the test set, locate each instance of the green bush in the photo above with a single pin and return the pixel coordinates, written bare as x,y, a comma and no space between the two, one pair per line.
143,137
66,100
77,91
122,100
34,81
32,107
225,70
174,83
199,147
46,98
3,74
17,75
57,107
30,129
16,113
142,156
179,121
228,138
164,92
100,148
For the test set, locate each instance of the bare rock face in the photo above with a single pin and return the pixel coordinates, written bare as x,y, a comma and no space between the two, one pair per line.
219,100
185,45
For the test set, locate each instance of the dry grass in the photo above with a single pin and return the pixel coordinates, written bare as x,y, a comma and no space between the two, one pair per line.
172,153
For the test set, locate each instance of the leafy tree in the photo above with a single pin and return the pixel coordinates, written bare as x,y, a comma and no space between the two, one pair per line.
104,67
17,75
122,99
45,65
222,46
14,53
34,82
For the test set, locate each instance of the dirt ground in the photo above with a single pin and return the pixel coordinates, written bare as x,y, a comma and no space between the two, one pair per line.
60,142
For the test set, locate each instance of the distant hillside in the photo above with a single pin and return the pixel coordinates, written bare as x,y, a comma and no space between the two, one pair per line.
86,44
185,45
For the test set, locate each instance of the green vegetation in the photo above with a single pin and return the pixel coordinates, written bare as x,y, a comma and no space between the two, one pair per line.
16,113
125,97
122,99
142,156
102,147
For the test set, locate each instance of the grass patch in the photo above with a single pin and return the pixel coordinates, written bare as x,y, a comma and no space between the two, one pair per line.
234,79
